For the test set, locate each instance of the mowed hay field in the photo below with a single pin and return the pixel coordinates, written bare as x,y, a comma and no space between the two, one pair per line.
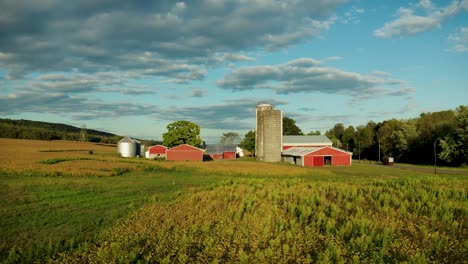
60,204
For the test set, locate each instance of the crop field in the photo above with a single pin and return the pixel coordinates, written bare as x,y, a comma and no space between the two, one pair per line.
60,204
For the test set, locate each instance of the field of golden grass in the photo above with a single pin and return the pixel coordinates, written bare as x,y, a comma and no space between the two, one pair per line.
73,158
63,157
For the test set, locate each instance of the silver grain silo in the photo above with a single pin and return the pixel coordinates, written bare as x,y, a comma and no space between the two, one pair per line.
127,147
269,133
142,150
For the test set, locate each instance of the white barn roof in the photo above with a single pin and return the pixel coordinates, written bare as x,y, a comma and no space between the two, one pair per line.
321,139
299,151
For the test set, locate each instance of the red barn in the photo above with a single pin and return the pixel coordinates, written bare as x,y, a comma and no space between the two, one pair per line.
157,151
317,156
221,151
184,152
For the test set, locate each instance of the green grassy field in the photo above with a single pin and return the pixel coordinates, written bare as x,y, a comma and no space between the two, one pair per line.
235,211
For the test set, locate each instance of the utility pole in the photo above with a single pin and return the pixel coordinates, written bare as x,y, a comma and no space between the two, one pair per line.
83,134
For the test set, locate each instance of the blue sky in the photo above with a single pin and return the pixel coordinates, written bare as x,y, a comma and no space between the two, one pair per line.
132,67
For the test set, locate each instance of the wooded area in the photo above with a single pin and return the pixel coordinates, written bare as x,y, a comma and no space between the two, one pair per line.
443,134
27,129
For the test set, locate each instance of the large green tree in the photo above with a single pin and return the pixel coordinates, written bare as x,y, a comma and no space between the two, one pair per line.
248,142
335,134
182,132
385,132
290,128
403,140
365,137
455,145
348,139
229,138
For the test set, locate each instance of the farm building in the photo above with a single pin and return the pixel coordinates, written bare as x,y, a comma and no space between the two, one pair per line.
184,152
239,151
221,151
317,156
156,151
306,141
129,147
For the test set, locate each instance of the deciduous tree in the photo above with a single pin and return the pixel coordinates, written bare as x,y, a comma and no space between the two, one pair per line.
229,138
182,132
455,145
248,142
290,128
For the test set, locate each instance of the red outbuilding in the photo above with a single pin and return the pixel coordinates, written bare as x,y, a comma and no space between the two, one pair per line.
317,156
184,152
221,151
157,151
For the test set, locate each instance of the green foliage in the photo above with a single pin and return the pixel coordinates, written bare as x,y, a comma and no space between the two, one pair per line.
255,220
248,142
314,133
235,211
229,138
41,216
410,140
290,127
182,132
336,134
455,145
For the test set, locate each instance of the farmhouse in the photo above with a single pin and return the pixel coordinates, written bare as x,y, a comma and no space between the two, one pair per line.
317,156
156,152
221,151
184,152
239,151
306,141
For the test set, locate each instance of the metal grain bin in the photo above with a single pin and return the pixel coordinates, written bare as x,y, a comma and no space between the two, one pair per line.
127,147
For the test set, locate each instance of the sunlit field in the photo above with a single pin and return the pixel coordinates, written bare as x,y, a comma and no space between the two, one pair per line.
58,203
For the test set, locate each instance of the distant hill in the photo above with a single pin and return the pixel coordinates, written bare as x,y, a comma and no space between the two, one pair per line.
38,130
28,129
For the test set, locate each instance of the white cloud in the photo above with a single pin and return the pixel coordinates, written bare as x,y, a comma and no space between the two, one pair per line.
381,73
460,40
198,93
408,22
352,16
426,4
306,75
236,114
93,36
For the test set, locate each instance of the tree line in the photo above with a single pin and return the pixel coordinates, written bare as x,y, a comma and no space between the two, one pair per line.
440,137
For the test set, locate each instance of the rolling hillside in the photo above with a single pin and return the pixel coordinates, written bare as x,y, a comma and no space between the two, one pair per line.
28,129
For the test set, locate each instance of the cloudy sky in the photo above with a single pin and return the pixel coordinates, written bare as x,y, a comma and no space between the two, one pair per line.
132,67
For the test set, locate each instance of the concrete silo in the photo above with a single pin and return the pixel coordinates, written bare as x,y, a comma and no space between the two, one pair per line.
269,133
